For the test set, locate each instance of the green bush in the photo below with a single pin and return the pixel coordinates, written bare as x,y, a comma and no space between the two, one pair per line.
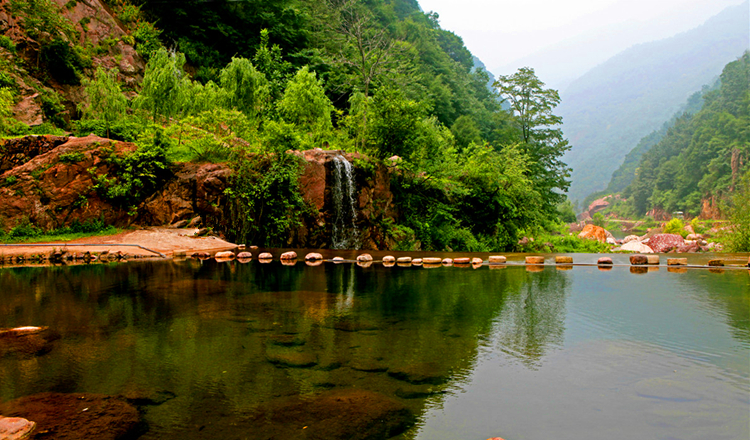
7,43
74,157
25,229
146,38
128,129
675,226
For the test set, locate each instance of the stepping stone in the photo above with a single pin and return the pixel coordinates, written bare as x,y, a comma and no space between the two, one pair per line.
562,259
652,259
404,260
497,259
291,255
638,259
604,260
389,259
313,256
676,261
534,260
432,260
716,263
364,257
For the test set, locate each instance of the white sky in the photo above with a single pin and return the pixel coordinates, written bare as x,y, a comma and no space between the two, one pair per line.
562,39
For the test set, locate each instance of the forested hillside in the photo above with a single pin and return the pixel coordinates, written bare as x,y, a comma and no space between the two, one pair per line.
609,109
245,82
702,156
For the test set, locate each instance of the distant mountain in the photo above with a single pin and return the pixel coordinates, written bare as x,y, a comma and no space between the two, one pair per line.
609,109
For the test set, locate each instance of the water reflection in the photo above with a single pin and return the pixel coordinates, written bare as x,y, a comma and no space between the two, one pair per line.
227,341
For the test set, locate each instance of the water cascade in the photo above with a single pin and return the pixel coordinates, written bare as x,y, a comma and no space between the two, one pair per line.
345,233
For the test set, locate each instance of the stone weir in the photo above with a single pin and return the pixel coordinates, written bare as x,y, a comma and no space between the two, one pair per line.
50,181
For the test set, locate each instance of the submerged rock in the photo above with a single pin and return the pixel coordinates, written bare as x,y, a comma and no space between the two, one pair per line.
76,416
332,415
421,373
26,342
292,359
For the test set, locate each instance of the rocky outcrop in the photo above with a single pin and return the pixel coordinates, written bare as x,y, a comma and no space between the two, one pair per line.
374,199
661,243
52,180
594,232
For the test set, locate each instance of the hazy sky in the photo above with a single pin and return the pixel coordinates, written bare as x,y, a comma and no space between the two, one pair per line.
562,39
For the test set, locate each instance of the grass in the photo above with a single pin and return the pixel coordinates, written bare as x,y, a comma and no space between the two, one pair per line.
55,236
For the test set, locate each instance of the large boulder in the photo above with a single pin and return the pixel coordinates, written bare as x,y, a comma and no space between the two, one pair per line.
593,232
636,246
630,238
661,243
76,416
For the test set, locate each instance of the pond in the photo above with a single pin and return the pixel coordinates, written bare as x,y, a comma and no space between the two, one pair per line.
230,350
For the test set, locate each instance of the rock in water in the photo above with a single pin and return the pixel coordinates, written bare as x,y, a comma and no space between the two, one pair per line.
364,257
604,260
26,342
594,232
291,255
313,256
332,415
76,416
389,259
563,259
638,259
15,428
661,243
497,259
534,260
225,255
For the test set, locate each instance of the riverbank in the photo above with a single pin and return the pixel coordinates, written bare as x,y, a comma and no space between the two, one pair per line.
139,243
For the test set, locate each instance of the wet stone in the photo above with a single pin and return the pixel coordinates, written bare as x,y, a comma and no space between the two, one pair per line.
15,428
369,365
638,259
77,416
421,373
534,260
418,392
716,263
287,340
331,415
292,359
26,342
563,259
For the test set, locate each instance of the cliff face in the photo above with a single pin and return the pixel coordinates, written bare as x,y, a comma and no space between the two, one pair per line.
50,181
104,42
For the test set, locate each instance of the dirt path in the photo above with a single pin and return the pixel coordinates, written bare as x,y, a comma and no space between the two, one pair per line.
153,242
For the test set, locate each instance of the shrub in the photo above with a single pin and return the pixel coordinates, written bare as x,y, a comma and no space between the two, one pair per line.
7,43
74,157
675,226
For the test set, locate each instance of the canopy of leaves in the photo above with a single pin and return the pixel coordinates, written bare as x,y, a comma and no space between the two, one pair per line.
701,155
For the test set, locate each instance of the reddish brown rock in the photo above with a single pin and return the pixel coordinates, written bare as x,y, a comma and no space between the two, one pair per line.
462,260
563,259
497,259
403,260
534,260
477,260
244,256
313,256
26,342
76,416
291,255
265,256
604,260
333,415
594,232
638,259
15,428
389,259
364,257
662,243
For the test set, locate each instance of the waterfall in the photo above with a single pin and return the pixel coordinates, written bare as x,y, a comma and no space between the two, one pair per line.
345,233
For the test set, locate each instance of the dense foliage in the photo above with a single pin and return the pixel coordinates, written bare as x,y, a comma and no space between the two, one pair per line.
245,82
701,156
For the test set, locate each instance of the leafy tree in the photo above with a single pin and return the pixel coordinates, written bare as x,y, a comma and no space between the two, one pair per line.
305,103
247,88
540,133
164,84
739,215
395,124
270,62
104,99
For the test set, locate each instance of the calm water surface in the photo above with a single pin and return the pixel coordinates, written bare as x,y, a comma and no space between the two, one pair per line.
473,353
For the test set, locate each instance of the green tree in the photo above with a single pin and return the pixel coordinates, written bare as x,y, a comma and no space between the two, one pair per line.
540,133
247,88
104,99
163,91
395,124
305,103
739,215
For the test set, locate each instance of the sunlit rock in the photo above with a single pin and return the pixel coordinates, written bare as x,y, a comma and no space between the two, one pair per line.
594,232
637,246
